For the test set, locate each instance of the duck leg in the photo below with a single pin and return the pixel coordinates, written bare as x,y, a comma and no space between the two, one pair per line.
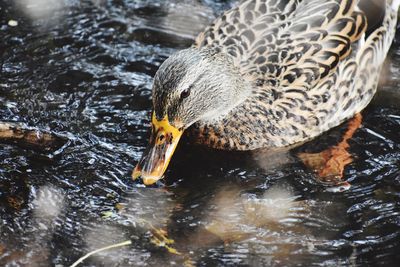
329,164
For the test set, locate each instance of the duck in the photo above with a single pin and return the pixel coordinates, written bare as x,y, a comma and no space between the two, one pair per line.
269,74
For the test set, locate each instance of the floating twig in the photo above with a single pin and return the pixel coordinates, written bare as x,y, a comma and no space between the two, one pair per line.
80,260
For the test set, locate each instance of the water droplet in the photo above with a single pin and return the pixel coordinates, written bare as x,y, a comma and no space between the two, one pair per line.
12,23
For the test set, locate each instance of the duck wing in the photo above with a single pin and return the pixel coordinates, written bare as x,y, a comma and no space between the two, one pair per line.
354,83
310,62
286,43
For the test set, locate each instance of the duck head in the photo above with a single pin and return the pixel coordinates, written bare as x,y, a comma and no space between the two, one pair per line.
190,86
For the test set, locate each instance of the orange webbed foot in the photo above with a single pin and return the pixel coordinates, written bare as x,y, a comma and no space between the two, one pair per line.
329,164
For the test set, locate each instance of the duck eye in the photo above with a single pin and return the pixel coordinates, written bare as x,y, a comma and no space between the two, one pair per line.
185,93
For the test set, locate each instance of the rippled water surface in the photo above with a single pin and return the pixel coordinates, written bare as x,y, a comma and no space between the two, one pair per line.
83,70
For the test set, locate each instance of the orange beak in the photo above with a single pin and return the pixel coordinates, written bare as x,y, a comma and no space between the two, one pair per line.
154,162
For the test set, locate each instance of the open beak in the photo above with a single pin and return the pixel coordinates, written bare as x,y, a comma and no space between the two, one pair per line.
163,141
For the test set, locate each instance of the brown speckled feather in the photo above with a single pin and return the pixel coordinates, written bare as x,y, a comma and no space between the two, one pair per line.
309,65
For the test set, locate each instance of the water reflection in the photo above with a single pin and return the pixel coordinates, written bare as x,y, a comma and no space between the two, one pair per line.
41,9
239,213
47,205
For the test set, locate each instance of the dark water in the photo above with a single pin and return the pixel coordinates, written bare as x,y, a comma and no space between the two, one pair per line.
83,70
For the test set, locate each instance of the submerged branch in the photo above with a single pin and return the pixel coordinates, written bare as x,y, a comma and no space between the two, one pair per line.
28,137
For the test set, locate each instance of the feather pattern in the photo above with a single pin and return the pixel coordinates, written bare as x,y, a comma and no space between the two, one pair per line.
310,64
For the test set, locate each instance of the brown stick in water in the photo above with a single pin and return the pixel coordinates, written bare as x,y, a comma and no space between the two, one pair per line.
32,138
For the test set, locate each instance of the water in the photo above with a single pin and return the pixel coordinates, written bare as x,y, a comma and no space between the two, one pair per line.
84,70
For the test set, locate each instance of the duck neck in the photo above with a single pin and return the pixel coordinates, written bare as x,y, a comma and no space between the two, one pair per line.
227,105
232,87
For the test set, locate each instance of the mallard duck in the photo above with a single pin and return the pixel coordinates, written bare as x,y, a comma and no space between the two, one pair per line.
269,74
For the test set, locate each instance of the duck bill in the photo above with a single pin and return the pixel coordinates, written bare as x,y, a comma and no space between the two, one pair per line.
163,142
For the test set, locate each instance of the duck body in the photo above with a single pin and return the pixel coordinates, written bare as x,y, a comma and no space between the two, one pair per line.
269,74
310,64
